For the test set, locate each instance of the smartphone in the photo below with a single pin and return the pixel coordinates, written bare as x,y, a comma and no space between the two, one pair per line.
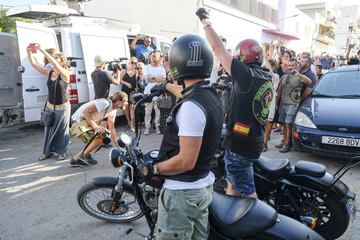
33,48
282,50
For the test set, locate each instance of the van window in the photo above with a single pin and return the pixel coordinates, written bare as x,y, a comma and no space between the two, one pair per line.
58,37
165,47
139,42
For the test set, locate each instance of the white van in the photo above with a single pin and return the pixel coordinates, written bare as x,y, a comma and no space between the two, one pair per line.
80,38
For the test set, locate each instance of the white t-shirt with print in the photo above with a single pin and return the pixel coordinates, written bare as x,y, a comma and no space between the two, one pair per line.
191,120
101,105
155,72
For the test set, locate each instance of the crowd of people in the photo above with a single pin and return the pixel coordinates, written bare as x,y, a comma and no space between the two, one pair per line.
268,87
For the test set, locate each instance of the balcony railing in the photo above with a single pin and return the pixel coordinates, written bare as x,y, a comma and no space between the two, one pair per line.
325,38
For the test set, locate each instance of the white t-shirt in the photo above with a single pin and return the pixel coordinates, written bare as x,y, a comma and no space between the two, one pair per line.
101,105
155,72
190,127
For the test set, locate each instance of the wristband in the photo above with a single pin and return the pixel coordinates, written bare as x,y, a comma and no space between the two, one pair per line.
206,22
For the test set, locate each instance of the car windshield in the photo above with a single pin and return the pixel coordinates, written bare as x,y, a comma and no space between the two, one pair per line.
339,84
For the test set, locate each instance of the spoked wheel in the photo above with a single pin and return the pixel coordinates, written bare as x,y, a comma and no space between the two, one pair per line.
96,200
332,218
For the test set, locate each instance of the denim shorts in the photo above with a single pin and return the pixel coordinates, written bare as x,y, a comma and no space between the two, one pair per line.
287,113
240,172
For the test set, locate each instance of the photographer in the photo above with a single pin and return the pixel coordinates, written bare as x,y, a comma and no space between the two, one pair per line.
142,51
102,79
96,119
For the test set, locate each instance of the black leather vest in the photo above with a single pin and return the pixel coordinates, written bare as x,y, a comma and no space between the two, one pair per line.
208,99
249,111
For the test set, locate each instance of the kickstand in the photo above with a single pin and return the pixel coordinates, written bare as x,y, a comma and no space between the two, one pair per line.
149,237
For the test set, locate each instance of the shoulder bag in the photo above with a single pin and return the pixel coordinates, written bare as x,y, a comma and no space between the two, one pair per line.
47,117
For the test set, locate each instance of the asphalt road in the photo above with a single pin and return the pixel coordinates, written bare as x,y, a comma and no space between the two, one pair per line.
38,199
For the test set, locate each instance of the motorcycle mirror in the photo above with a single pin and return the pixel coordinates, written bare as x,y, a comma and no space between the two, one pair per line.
126,139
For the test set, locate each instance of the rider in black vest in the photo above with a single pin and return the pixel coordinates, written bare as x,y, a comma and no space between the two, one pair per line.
190,141
249,108
201,94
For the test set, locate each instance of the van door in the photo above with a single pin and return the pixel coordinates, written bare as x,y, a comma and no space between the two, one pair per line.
34,84
108,45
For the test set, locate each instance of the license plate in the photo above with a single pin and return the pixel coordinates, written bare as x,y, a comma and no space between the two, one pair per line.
351,142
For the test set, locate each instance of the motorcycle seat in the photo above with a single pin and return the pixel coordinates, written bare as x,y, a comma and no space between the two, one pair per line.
273,167
238,217
310,168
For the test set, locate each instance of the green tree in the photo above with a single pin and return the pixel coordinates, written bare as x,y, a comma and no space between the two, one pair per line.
8,24
52,2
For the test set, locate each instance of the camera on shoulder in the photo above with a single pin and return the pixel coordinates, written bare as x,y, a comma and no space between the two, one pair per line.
117,64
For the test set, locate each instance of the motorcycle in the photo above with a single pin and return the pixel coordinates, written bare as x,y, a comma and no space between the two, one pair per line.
304,191
128,197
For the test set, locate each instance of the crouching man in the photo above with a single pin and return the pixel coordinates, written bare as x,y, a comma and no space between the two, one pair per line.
93,122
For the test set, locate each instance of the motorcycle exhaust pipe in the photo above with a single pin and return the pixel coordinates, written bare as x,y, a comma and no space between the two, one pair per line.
309,221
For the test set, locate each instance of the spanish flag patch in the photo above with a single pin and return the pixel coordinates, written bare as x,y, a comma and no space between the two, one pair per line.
241,129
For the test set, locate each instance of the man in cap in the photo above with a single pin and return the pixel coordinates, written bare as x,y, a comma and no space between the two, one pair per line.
103,79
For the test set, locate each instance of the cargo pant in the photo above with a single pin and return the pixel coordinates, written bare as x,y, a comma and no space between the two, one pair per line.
183,214
148,110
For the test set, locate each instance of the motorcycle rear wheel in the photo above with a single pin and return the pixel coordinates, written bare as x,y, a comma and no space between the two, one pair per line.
95,199
331,215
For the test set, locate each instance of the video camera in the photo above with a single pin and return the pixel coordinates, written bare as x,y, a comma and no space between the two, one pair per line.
117,64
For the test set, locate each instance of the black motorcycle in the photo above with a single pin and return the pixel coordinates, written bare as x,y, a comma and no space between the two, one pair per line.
304,191
128,197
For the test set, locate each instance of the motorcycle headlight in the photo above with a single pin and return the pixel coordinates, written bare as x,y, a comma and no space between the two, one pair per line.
302,120
117,157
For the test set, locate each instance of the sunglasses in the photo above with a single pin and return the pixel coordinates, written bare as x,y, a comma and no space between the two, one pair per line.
133,62
139,68
148,41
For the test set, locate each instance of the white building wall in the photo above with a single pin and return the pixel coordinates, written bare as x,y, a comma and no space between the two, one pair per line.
301,25
348,15
172,18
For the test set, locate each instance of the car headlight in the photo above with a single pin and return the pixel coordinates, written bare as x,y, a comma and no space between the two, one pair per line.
302,120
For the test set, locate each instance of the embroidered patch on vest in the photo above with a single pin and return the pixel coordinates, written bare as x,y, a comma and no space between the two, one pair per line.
241,129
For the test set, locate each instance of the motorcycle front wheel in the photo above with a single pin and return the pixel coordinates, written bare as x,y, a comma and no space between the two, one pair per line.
95,199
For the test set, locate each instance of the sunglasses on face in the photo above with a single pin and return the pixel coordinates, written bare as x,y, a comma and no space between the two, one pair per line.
133,62
138,68
147,41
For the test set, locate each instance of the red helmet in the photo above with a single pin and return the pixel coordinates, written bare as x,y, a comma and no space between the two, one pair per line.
249,51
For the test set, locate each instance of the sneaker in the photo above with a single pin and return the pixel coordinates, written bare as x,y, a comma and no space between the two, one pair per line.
285,148
91,160
158,130
78,163
146,131
280,145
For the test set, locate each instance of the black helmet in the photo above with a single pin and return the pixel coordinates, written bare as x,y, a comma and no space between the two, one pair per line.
190,57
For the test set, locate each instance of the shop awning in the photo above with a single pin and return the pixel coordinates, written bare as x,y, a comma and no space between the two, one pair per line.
284,35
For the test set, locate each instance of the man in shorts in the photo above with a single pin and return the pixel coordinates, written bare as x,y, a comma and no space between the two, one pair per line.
290,84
